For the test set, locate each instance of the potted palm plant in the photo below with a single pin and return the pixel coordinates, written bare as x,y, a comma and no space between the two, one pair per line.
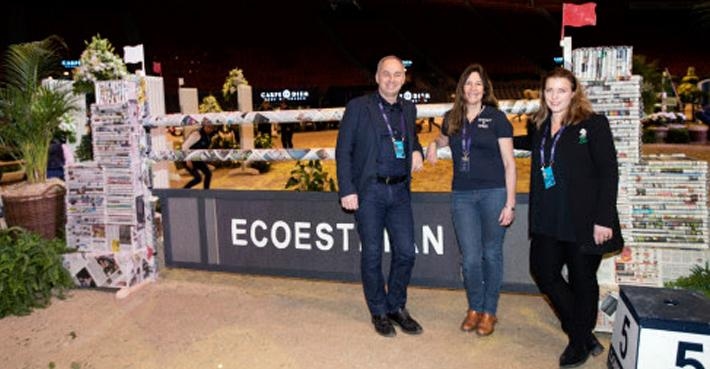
30,115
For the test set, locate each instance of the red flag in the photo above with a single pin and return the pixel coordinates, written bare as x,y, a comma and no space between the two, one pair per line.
579,15
157,69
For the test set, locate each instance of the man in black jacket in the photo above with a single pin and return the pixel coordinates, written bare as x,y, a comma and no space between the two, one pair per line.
376,151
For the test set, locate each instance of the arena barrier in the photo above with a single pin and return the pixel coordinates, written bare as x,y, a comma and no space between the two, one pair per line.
307,234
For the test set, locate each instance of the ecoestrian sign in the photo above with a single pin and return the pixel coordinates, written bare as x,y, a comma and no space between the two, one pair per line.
308,235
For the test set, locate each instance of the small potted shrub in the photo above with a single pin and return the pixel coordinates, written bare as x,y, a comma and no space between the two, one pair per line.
310,177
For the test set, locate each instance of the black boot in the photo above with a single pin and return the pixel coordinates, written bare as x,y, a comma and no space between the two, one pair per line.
594,346
574,355
383,326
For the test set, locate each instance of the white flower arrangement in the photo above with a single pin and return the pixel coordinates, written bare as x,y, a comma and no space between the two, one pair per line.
234,79
663,118
98,63
66,130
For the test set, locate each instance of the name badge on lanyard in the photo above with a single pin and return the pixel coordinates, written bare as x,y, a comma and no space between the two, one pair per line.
397,143
398,149
465,163
548,177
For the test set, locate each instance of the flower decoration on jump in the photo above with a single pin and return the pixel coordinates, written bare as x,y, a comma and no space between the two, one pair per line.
209,105
234,79
582,136
99,62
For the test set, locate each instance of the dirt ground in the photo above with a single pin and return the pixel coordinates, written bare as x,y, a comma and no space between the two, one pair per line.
211,320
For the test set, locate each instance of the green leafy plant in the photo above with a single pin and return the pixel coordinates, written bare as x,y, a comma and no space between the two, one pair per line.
698,280
678,136
310,177
262,141
31,271
30,111
651,81
85,151
648,136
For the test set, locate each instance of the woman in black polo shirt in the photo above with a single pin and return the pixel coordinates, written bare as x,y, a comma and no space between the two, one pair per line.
483,191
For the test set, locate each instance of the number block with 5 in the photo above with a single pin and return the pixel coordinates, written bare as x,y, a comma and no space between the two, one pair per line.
660,328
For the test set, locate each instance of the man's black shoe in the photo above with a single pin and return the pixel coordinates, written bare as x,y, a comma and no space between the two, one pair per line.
383,326
594,346
403,320
574,356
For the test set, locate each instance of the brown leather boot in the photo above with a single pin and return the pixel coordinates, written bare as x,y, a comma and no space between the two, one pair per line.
471,321
486,325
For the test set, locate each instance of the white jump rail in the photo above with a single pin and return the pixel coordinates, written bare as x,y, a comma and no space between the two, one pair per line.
518,107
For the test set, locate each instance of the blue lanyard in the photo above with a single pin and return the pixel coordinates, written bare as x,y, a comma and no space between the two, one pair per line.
387,121
554,145
466,139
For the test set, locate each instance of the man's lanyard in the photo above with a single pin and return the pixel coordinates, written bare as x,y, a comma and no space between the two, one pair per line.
554,145
387,121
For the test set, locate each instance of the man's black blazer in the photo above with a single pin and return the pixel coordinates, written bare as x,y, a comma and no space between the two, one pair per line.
359,135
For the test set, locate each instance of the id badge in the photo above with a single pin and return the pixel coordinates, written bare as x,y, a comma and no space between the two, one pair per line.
548,177
399,149
465,164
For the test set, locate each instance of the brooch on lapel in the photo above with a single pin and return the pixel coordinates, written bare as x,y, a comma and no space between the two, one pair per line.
582,136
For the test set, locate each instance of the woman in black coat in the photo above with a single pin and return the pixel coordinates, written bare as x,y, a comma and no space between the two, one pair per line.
573,216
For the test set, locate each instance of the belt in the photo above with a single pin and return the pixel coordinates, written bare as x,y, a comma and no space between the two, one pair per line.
391,180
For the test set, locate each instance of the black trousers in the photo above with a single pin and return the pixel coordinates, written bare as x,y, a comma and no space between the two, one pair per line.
287,135
574,299
197,167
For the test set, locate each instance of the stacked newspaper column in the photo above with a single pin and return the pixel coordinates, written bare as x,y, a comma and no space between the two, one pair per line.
605,74
666,219
109,219
602,63
662,200
620,102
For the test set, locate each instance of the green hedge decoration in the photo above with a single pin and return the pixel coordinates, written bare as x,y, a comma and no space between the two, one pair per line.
31,271
698,280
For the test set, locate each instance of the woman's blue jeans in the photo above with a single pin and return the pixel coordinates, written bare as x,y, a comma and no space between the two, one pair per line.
480,239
